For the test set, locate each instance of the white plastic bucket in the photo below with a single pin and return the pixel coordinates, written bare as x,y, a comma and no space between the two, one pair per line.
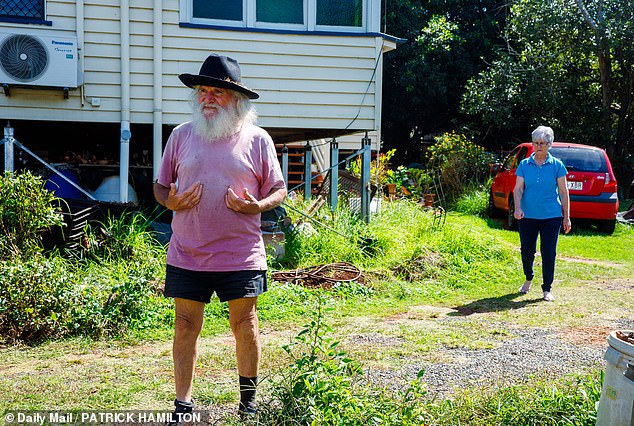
616,407
109,190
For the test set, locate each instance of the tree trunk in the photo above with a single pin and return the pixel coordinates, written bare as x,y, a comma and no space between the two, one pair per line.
607,96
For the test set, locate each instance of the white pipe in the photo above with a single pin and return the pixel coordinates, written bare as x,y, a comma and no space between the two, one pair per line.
157,144
79,27
124,160
378,92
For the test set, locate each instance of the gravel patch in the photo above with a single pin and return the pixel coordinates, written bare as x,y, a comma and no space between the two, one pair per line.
374,339
626,324
533,353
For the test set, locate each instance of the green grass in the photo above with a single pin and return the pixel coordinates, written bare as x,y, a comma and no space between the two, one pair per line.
421,278
567,401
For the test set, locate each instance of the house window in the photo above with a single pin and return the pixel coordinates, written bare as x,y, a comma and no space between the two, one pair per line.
228,10
31,9
280,11
340,13
303,15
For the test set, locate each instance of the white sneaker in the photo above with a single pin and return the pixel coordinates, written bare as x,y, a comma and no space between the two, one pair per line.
525,288
548,297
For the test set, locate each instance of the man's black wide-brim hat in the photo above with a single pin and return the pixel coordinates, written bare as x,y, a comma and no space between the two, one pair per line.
219,71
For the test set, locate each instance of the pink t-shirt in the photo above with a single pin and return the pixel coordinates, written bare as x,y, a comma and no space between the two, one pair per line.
210,236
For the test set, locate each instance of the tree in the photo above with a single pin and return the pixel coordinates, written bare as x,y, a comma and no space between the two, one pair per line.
447,42
612,26
567,64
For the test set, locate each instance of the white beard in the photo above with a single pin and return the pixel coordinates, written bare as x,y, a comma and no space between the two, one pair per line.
224,123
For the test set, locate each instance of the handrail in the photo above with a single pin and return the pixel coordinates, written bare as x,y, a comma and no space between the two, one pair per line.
364,190
32,154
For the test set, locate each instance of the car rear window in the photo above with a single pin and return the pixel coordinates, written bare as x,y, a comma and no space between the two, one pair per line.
581,159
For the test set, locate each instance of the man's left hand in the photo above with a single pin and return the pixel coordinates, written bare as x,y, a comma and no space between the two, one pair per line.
247,204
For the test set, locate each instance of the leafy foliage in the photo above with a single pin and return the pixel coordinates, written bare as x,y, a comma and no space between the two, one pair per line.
568,65
423,182
379,169
566,402
54,297
37,298
26,210
445,44
459,163
323,385
473,201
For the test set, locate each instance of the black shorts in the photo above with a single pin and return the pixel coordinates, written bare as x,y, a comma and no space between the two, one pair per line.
200,285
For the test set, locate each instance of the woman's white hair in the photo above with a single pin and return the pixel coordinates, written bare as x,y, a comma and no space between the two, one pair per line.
543,133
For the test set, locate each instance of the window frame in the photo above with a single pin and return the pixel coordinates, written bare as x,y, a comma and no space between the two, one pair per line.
278,25
249,19
28,19
362,28
187,12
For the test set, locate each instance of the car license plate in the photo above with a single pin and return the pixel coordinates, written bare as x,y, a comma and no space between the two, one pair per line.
577,186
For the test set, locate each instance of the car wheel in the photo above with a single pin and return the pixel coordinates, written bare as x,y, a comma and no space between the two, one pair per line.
606,226
493,211
511,222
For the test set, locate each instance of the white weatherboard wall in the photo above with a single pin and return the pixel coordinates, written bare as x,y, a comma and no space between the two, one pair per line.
305,80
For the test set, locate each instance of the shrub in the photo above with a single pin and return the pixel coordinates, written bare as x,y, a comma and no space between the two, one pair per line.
121,271
129,304
379,167
459,163
36,298
423,182
323,385
121,237
473,201
26,210
101,296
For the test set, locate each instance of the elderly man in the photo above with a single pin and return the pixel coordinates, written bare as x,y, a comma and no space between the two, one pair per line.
218,173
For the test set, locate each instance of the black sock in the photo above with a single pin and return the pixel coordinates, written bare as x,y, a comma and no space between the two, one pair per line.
183,407
248,386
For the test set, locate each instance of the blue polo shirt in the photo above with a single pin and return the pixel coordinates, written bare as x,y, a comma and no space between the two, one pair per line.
541,195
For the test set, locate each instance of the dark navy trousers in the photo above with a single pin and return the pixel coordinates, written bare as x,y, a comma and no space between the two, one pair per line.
548,232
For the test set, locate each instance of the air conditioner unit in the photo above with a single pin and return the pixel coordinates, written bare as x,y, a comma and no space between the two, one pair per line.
38,60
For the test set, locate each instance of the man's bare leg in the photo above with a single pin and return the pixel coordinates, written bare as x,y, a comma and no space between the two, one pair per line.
189,322
244,324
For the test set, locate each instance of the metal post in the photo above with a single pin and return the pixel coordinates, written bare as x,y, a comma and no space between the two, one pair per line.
334,174
365,177
308,170
8,148
285,164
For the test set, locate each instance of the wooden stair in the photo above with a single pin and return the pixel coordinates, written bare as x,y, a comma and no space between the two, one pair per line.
296,168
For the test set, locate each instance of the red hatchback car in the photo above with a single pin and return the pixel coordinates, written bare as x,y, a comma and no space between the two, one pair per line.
591,184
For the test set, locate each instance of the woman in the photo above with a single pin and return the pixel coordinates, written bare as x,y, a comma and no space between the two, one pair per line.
542,206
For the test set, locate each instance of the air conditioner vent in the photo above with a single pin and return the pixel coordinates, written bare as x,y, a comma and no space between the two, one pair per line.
23,57
48,59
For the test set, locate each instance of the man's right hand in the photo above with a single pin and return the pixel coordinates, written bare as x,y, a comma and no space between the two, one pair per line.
187,199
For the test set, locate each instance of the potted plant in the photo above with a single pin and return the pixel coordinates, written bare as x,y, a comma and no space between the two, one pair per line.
397,181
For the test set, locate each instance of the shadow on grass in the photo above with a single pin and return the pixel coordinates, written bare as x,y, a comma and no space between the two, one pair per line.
494,223
579,227
493,304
